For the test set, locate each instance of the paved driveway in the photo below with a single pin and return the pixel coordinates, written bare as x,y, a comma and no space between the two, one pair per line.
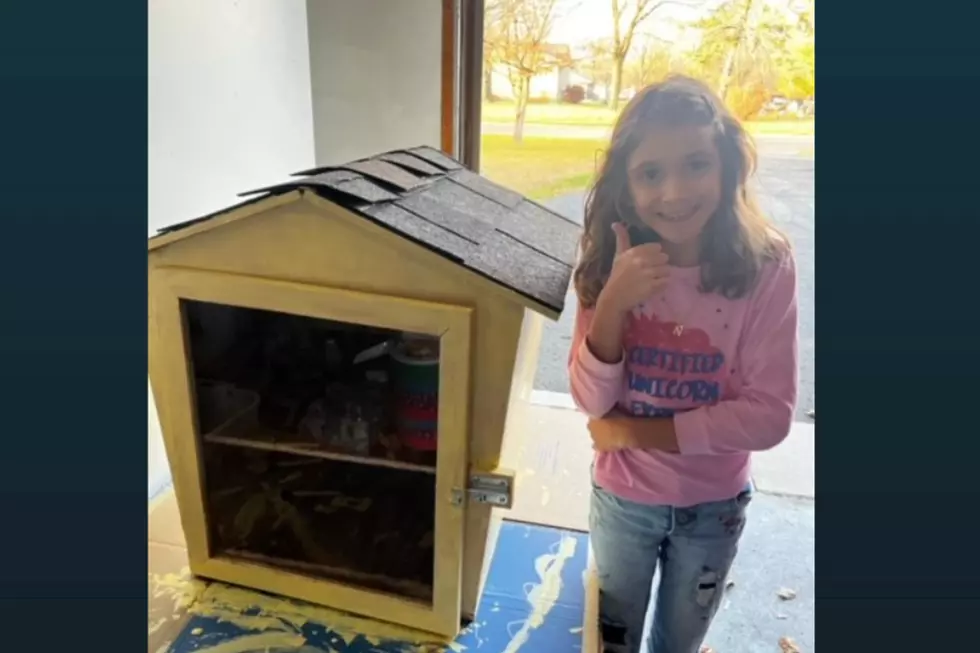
785,186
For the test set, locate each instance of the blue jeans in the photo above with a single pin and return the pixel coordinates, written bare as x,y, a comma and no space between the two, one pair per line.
695,548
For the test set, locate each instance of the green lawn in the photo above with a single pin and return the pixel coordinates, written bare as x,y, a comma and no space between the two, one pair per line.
596,115
540,168
552,114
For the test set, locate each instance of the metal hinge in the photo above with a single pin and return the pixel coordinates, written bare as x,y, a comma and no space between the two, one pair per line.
492,488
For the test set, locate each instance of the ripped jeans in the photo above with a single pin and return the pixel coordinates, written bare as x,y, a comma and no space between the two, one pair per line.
695,548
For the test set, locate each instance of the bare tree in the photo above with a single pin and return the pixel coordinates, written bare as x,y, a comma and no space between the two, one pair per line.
518,41
627,16
743,38
740,29
651,63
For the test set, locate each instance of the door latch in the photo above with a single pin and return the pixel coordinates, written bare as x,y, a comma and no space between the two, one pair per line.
490,488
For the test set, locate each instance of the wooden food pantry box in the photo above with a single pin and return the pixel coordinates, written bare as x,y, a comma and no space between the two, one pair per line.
335,362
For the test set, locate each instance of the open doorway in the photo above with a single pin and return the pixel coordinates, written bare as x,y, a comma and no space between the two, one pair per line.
553,78
554,75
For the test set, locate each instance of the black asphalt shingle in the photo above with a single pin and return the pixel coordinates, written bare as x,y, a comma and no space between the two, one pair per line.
432,200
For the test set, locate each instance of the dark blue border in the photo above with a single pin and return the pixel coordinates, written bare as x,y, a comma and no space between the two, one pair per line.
897,241
73,158
898,303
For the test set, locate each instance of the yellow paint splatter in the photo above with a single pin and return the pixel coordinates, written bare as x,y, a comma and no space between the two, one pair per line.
545,496
181,588
276,615
543,595
458,648
197,631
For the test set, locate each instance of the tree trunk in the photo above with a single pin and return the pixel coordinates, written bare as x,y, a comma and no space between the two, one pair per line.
522,96
487,81
728,70
617,82
725,80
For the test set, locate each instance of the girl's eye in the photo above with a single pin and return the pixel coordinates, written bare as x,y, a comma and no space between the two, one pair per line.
699,165
651,174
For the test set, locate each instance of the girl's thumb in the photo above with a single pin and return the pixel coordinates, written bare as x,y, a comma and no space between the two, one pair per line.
622,237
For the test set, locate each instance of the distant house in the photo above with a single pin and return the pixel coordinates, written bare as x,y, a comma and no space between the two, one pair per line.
599,92
549,85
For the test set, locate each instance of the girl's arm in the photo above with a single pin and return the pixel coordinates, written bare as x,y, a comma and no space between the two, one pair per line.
761,416
596,360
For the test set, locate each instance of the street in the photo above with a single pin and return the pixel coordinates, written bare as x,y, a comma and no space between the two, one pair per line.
784,183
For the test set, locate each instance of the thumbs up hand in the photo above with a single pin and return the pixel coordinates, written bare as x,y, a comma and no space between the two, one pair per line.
638,273
622,236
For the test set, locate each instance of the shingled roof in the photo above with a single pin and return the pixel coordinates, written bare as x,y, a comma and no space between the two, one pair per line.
429,198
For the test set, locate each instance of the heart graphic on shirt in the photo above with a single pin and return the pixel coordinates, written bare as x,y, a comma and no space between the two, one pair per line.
645,330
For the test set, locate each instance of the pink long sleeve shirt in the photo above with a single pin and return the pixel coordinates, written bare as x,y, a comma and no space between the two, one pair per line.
724,370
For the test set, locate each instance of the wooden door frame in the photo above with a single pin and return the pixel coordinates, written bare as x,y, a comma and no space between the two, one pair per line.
462,79
173,381
449,100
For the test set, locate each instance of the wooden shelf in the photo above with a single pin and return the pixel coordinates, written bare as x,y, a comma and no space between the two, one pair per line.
287,443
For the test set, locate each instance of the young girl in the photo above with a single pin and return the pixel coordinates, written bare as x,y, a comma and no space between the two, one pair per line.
684,357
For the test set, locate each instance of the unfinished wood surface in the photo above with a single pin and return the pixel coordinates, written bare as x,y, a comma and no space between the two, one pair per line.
452,468
338,304
530,330
591,630
270,206
269,441
170,379
452,323
523,327
395,585
246,210
522,384
407,612
314,242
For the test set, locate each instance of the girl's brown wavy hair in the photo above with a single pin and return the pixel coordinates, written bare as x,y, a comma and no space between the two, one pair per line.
736,241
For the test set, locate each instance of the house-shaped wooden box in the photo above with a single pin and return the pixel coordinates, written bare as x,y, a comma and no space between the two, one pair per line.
335,362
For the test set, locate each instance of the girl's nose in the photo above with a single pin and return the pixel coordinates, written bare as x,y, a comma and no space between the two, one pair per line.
673,189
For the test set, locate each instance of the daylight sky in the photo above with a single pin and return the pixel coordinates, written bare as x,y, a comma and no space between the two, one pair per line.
592,19
581,21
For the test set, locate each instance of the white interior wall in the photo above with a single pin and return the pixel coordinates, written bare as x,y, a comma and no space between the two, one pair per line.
376,76
244,92
229,110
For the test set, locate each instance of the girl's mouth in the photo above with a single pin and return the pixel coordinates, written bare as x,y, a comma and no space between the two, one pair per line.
680,217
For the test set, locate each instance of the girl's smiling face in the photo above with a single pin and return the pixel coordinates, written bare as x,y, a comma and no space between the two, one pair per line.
674,178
